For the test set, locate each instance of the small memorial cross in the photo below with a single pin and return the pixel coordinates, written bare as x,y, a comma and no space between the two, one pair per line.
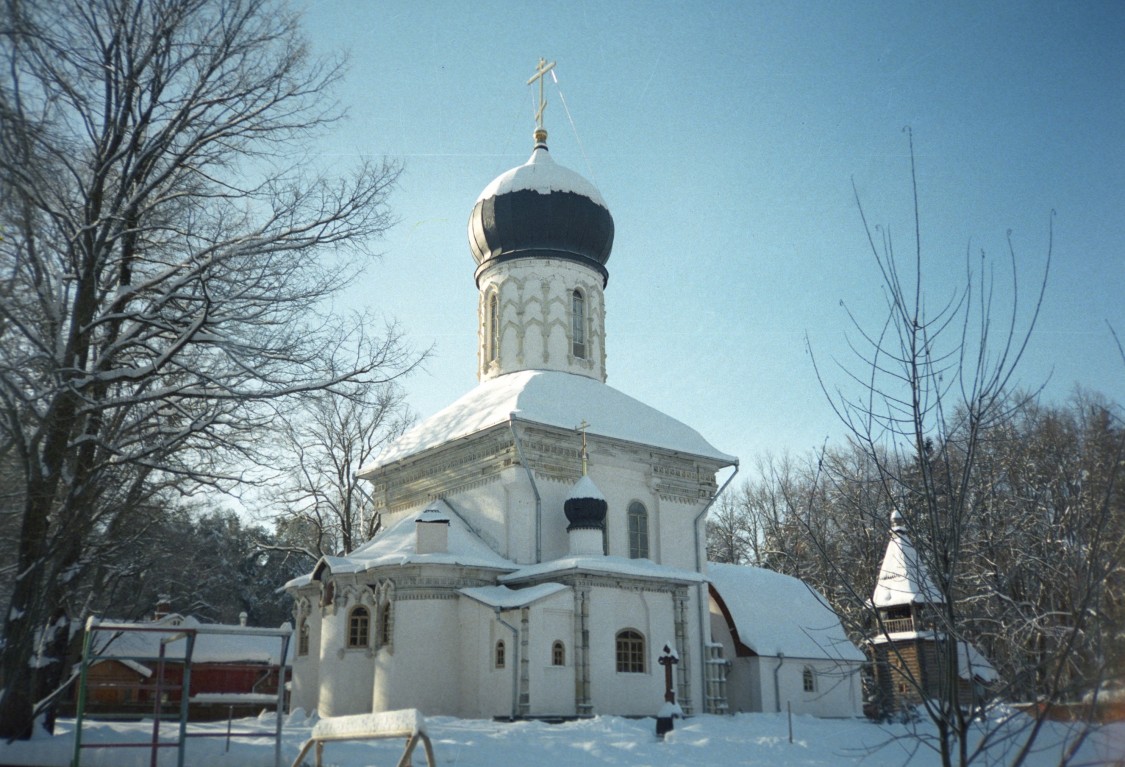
669,711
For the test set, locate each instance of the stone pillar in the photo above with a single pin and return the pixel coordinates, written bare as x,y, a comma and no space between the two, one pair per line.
583,706
680,611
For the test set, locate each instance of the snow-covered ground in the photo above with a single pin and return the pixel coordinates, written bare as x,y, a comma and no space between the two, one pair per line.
746,739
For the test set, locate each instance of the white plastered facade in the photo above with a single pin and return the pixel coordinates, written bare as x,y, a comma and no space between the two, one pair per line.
526,318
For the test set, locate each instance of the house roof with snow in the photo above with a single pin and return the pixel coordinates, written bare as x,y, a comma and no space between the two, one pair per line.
775,614
397,545
903,578
215,643
550,398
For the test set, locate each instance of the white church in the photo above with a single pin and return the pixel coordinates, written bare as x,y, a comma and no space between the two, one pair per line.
544,535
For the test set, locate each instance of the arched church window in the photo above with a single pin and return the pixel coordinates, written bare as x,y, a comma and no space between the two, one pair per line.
385,625
578,323
558,654
492,327
638,530
808,679
359,625
303,637
630,652
499,659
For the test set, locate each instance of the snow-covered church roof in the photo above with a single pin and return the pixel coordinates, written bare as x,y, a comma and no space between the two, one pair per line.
504,598
600,565
397,545
777,614
553,399
903,578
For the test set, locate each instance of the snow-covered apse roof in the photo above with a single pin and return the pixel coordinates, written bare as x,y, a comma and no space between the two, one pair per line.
776,614
554,399
397,545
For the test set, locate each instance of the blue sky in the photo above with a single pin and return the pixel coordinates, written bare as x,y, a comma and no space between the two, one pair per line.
726,138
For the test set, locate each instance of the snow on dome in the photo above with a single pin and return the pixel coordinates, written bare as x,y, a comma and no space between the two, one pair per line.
542,174
550,398
541,210
585,488
777,614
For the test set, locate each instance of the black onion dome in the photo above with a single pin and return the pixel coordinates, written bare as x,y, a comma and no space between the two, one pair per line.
585,507
541,209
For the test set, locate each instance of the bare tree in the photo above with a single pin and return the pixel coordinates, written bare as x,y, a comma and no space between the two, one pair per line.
1047,548
321,507
165,252
731,535
932,383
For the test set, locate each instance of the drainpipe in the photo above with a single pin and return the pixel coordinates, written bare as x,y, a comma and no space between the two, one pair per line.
515,663
777,680
538,500
704,609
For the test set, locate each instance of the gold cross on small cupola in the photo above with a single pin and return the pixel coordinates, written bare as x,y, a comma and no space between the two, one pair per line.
582,427
540,72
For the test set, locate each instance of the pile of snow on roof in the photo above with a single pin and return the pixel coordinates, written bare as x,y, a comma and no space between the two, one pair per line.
550,398
776,614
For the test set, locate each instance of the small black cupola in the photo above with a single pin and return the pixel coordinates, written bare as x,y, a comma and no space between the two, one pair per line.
585,507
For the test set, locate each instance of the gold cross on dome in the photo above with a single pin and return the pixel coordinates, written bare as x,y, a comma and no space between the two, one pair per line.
582,427
540,71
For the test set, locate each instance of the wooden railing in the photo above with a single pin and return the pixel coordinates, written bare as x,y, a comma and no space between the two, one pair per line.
895,625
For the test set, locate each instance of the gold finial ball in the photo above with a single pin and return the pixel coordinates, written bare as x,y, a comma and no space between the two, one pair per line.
540,135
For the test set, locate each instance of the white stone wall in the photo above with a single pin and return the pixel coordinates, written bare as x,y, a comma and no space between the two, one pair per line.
305,687
650,613
422,670
838,690
346,674
751,685
535,317
485,691
552,687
